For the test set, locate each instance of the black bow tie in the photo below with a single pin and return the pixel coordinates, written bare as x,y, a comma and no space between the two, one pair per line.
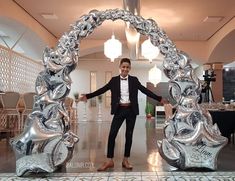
123,78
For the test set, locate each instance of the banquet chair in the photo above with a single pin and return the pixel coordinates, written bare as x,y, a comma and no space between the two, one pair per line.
4,131
1,104
10,111
28,99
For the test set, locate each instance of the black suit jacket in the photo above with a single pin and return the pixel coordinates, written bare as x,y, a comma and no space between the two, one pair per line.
114,86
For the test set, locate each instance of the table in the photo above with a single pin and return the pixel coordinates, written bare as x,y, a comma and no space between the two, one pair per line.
225,119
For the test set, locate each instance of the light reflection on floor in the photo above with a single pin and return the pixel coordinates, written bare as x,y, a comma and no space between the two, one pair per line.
90,152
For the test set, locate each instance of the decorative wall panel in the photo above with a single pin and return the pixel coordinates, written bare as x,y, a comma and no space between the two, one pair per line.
4,69
17,72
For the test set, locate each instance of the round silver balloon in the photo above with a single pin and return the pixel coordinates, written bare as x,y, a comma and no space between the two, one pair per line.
175,91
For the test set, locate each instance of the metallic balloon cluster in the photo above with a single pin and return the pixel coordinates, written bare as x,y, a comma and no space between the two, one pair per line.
190,138
46,142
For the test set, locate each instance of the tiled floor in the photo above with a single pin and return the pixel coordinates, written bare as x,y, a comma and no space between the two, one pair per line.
128,176
90,153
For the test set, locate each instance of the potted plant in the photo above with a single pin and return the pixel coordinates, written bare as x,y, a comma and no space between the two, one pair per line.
149,110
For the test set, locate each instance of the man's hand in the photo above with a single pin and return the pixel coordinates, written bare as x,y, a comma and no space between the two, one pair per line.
164,101
83,98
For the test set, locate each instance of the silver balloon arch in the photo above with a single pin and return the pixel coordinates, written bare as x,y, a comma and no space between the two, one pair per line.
190,138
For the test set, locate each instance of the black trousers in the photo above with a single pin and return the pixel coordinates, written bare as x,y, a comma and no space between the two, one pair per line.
123,113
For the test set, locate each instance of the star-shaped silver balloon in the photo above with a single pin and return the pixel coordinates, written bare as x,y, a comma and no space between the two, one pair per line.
199,148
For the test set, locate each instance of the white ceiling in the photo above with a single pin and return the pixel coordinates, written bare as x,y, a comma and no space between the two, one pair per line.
27,42
181,19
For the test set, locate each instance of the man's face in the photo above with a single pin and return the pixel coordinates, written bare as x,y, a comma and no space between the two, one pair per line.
124,69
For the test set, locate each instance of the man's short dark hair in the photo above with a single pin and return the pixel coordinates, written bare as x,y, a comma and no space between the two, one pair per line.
127,60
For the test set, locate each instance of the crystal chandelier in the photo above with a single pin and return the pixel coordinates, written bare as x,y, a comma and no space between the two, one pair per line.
112,48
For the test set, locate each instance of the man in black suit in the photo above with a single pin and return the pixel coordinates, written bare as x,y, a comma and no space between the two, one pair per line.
124,105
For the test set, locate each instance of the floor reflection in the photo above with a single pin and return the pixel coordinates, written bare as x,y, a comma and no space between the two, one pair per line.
90,151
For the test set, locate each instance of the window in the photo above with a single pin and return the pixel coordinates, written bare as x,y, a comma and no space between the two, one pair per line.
108,76
93,86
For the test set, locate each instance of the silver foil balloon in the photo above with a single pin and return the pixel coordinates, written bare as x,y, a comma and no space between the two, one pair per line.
46,141
191,140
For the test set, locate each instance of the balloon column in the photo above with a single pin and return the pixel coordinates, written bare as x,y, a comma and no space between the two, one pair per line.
191,140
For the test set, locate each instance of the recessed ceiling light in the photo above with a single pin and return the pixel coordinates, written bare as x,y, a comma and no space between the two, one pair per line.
213,19
226,69
49,16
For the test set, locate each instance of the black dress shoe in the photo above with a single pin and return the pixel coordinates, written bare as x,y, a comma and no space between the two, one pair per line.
127,165
106,166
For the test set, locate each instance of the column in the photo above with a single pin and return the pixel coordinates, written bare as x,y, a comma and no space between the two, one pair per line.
217,86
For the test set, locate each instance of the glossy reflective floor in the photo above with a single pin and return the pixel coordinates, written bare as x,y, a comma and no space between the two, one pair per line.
90,153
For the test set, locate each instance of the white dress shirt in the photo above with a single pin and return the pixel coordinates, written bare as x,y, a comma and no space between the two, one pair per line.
124,88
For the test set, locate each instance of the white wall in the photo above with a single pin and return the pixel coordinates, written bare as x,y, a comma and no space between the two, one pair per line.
81,83
142,74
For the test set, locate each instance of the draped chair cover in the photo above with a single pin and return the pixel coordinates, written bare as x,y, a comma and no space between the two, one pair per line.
10,111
